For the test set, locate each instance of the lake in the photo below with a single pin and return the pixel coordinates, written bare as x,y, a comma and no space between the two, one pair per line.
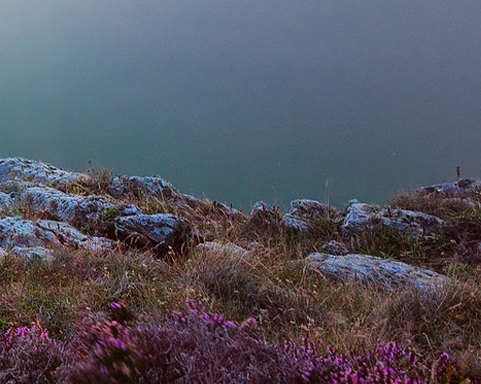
242,101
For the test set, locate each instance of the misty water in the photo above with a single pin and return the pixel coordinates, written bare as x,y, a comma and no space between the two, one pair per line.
247,100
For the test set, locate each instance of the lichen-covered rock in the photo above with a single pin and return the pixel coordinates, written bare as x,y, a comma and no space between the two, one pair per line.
375,270
24,237
461,188
160,232
23,170
84,212
29,253
304,214
411,222
263,214
6,202
141,187
365,217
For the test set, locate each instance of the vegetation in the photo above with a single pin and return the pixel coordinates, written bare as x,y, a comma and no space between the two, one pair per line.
213,316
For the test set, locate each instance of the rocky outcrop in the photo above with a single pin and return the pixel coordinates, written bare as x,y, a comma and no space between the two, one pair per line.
361,217
141,187
40,214
53,218
35,172
375,270
161,232
263,215
462,188
304,214
28,238
90,213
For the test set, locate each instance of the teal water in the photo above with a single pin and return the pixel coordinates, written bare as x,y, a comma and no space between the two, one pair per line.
245,100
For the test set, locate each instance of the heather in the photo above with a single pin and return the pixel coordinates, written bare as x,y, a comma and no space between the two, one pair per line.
236,301
197,346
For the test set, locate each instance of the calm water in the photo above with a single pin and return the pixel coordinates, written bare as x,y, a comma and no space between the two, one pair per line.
247,100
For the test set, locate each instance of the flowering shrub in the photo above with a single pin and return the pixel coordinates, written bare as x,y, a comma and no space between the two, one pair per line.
29,355
197,347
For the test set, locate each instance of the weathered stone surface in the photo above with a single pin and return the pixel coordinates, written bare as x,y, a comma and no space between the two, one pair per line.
81,211
161,232
304,213
146,187
411,222
28,253
223,248
375,270
24,237
461,188
23,170
361,217
263,214
6,202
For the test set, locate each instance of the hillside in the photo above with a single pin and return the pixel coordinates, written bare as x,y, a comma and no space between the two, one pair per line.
126,279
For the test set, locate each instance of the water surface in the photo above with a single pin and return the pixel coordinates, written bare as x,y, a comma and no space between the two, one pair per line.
246,100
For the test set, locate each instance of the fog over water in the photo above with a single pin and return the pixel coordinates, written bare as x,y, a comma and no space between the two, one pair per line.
246,100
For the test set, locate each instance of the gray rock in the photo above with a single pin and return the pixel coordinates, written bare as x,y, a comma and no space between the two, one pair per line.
375,270
161,232
263,214
411,222
365,217
304,213
20,236
361,217
23,170
295,224
29,253
141,187
461,188
71,237
6,202
87,212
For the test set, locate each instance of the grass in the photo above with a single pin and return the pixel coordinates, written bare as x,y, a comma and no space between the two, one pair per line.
271,283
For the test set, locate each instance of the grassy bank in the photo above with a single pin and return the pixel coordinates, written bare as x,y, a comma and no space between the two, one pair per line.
270,286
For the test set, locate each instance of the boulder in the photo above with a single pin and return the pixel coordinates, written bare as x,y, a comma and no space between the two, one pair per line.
84,212
160,232
461,189
361,217
375,270
36,172
26,237
304,213
263,214
141,187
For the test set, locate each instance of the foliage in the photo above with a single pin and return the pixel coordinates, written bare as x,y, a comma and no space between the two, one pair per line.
197,346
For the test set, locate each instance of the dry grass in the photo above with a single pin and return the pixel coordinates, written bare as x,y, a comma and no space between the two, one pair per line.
270,282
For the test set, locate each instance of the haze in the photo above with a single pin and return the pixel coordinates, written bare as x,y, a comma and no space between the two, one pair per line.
240,101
